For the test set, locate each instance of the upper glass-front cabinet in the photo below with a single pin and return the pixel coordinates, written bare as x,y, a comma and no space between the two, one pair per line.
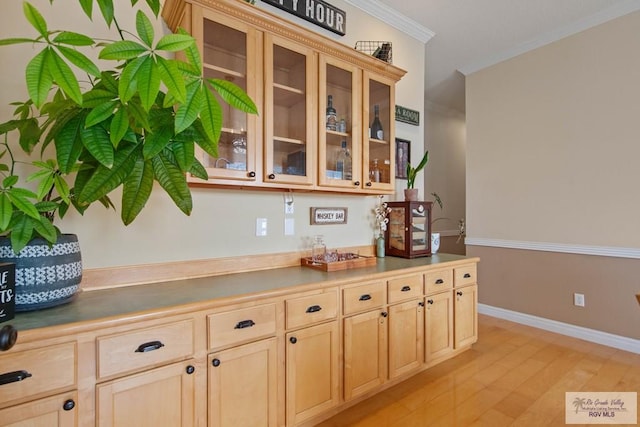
288,145
378,158
228,52
339,113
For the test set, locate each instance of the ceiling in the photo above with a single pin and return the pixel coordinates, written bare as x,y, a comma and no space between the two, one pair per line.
463,36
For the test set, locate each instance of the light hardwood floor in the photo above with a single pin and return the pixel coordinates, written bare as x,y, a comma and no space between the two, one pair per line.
515,375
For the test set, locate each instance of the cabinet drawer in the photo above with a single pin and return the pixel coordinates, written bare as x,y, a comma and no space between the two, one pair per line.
243,325
131,351
438,280
311,309
362,297
33,372
465,275
404,288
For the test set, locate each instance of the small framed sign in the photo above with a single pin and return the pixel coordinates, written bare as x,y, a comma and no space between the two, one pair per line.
7,291
406,115
324,216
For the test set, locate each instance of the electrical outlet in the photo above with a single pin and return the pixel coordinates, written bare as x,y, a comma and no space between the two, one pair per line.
578,300
261,227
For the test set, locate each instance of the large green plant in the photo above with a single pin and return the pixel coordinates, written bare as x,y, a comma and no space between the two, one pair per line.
413,172
127,126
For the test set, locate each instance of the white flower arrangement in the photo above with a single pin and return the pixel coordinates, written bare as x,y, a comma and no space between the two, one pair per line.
381,211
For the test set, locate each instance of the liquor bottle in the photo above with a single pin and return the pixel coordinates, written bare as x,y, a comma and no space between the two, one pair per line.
332,120
374,173
344,162
376,125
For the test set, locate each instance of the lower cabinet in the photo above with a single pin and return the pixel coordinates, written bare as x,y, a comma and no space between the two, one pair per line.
438,326
312,377
466,316
365,352
56,411
159,397
406,337
243,386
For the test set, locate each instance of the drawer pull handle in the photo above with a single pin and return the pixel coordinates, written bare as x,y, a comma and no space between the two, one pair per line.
405,288
8,337
149,346
439,282
272,176
467,275
314,309
68,405
13,377
245,324
459,293
252,174
430,301
365,297
215,362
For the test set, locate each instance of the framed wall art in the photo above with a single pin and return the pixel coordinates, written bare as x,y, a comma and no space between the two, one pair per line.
403,157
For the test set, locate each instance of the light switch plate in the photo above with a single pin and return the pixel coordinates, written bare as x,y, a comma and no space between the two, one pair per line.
261,227
289,226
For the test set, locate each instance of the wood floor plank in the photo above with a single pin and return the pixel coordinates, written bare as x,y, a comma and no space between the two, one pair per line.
515,375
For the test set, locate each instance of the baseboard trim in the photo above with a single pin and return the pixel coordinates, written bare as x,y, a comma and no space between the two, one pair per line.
592,335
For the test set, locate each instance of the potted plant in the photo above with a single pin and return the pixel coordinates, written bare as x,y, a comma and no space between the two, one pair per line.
410,193
127,126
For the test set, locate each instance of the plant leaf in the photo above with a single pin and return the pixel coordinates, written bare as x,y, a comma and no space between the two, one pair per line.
136,190
10,181
64,77
122,50
144,28
96,97
87,7
62,188
6,210
175,42
80,60
172,78
156,141
69,143
148,82
234,95
127,86
35,19
45,229
97,142
188,112
192,53
20,199
16,40
155,6
73,39
39,79
211,116
106,7
173,181
184,153
45,186
21,233
119,126
100,113
198,170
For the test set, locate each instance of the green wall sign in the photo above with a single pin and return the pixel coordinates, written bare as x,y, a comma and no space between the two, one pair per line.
407,115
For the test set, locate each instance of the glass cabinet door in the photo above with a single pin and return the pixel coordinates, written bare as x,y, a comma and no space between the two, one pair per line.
339,152
229,53
396,228
378,132
288,112
419,228
409,230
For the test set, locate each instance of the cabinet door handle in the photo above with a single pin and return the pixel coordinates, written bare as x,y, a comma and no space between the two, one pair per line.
459,293
365,297
8,337
421,304
272,176
356,184
293,340
314,309
405,288
68,405
190,369
244,324
368,184
215,362
252,174
149,346
384,314
430,301
439,282
466,275
14,377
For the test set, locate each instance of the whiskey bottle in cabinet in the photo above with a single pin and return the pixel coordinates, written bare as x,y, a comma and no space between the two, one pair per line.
226,47
408,233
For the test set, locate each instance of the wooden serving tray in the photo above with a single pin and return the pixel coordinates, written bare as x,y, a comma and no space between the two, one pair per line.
360,261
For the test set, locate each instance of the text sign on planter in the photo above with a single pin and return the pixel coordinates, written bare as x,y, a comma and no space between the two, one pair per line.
407,115
317,12
328,216
7,291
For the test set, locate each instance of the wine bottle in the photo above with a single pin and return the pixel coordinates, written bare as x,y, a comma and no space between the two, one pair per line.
376,125
374,173
344,162
331,114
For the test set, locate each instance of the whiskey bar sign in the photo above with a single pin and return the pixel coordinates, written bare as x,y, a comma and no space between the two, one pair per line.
317,12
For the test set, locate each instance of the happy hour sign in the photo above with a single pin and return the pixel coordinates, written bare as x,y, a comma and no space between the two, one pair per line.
7,291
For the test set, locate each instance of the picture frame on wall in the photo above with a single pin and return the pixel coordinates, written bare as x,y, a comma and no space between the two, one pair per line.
403,157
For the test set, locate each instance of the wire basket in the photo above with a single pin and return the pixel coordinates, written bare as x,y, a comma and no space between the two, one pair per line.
379,49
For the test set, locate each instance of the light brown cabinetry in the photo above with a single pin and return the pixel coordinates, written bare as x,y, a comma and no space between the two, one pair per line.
466,317
312,352
438,326
55,411
289,71
406,337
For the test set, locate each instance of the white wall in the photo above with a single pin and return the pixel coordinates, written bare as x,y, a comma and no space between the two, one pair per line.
223,221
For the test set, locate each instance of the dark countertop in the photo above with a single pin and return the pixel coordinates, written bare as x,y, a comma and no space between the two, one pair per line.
92,306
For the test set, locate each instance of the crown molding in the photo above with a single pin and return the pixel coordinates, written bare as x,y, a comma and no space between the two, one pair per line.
609,251
392,17
620,9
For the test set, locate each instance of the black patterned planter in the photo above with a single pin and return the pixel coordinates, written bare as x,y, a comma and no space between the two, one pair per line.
46,276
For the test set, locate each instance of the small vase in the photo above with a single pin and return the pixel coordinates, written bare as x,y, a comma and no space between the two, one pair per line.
410,194
380,247
435,243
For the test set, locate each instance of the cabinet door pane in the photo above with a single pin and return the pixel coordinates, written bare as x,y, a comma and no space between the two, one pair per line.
396,228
